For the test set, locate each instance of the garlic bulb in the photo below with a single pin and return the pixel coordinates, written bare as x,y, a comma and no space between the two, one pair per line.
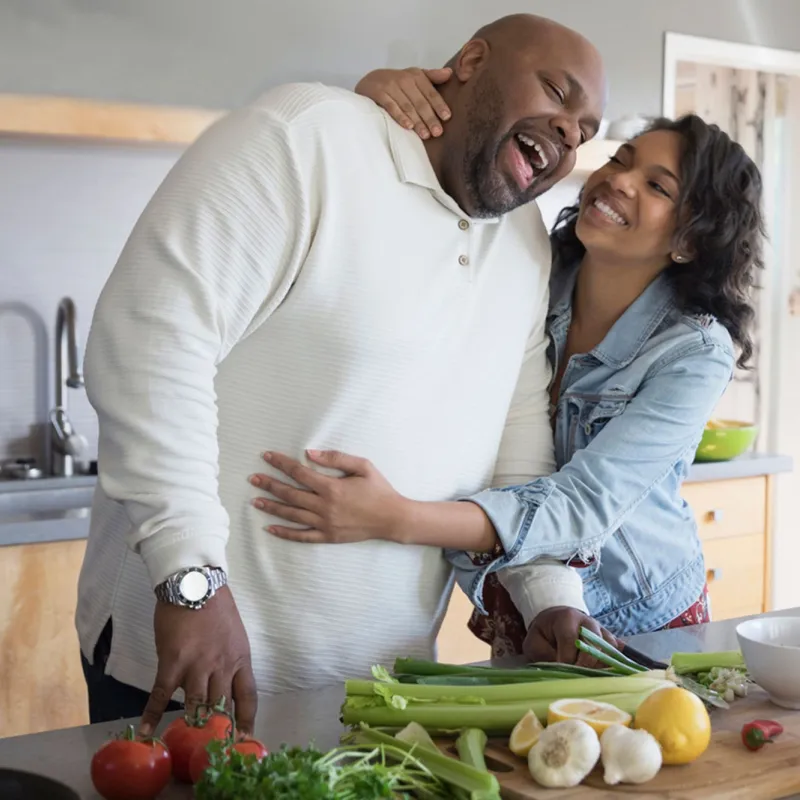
629,756
564,755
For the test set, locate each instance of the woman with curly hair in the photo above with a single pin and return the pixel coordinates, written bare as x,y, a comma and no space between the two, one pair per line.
650,302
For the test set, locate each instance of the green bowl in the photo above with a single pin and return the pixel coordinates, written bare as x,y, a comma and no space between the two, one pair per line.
726,440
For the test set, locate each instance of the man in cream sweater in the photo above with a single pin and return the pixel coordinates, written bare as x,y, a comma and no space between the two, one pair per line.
311,275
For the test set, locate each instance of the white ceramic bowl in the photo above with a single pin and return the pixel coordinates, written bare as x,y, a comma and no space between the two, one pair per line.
771,650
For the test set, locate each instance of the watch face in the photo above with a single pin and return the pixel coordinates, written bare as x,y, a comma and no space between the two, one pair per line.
194,586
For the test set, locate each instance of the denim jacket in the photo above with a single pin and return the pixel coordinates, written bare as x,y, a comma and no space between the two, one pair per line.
629,418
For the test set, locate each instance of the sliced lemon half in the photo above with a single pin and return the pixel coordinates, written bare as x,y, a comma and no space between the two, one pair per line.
597,715
525,735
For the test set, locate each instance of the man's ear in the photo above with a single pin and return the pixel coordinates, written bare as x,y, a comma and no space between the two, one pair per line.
473,56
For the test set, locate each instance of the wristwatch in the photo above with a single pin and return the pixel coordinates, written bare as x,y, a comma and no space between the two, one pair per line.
192,587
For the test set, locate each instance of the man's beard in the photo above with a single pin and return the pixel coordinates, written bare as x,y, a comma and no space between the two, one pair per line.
489,192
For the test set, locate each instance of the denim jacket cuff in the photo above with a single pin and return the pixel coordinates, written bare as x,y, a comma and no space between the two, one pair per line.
511,520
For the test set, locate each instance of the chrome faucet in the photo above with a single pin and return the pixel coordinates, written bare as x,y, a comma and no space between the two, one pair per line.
65,443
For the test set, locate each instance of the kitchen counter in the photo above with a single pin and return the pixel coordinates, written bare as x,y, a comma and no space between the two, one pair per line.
748,465
295,718
64,504
45,509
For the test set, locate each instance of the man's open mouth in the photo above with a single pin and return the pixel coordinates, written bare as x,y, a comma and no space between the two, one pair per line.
526,157
533,151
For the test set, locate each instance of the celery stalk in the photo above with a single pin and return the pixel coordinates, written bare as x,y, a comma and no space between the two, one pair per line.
480,785
505,693
415,734
494,719
471,745
685,663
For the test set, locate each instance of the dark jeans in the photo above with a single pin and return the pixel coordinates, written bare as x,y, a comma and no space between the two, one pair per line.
109,699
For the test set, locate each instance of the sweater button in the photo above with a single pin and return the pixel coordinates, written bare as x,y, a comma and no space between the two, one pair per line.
463,224
463,260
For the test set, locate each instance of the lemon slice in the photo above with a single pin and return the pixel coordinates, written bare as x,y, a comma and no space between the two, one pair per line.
597,715
525,735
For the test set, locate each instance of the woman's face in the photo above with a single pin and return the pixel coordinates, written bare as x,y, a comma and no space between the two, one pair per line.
628,208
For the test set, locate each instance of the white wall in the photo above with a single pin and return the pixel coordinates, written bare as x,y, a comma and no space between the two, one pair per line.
65,213
221,52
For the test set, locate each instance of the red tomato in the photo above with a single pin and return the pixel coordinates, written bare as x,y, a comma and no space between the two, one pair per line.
183,736
129,768
199,761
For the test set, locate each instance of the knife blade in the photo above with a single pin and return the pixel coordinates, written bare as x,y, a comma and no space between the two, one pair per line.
641,658
707,695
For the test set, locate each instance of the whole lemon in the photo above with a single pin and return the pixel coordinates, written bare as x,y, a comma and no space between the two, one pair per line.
679,722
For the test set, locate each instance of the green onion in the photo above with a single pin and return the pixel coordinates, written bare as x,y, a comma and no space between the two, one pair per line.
480,784
574,669
685,663
604,658
406,669
489,680
413,666
590,637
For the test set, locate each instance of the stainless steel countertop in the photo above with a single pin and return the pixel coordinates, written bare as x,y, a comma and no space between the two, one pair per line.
57,509
295,718
45,509
745,466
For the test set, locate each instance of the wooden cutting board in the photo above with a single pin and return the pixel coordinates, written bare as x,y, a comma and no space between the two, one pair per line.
726,771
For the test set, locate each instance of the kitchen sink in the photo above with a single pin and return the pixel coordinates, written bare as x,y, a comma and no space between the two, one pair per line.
46,498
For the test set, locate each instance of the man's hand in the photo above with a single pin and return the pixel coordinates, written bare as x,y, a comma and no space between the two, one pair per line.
553,633
206,653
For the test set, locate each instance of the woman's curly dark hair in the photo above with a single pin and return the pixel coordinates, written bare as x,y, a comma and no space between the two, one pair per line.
720,225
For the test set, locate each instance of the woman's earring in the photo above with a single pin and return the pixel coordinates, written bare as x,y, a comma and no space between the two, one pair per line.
678,258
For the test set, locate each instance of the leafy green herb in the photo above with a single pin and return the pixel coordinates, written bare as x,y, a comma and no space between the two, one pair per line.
355,772
288,774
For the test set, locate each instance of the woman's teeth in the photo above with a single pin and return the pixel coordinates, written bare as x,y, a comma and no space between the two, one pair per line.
542,161
606,209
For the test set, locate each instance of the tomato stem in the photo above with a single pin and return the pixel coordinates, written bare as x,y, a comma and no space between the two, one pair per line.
204,712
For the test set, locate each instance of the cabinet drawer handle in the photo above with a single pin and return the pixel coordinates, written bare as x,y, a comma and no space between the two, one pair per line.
716,515
714,574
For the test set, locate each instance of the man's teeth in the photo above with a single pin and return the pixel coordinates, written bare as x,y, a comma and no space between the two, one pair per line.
528,142
609,212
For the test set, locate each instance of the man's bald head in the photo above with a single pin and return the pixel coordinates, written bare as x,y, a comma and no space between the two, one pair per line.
526,91
521,31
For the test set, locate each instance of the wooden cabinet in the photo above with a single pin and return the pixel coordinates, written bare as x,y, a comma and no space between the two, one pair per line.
733,519
41,680
456,643
734,525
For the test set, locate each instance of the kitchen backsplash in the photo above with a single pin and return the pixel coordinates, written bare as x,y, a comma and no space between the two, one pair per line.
65,212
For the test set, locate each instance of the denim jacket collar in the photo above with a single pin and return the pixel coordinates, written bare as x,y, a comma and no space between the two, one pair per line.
630,332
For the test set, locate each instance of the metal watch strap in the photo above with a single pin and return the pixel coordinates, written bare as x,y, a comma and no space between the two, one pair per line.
168,590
